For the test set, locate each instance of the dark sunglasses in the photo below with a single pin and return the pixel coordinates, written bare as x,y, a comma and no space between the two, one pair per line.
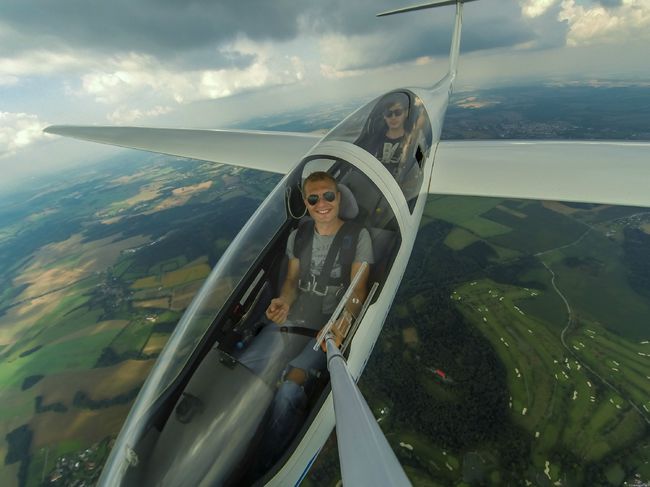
330,196
397,112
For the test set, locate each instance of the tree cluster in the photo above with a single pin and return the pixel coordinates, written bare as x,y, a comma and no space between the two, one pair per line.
19,442
637,258
82,400
471,409
57,407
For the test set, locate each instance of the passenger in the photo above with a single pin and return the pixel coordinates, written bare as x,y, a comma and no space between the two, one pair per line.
388,137
307,299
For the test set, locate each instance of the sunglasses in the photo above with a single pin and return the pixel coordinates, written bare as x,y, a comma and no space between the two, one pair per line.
397,112
312,199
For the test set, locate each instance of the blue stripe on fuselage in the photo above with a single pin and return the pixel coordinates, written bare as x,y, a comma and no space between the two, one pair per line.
309,464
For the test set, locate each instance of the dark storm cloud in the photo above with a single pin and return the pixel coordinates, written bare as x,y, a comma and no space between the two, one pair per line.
358,17
188,33
158,27
486,25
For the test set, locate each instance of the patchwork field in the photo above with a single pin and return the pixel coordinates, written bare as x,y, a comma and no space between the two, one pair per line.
579,411
94,291
554,396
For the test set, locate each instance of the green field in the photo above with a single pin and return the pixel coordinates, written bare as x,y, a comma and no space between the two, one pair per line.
87,320
464,212
561,403
570,410
615,305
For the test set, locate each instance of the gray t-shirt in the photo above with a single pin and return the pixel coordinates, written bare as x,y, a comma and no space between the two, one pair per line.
320,247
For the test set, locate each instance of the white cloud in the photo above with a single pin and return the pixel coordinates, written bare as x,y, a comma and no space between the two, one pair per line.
271,67
134,76
18,130
144,83
595,24
42,62
535,8
339,53
124,115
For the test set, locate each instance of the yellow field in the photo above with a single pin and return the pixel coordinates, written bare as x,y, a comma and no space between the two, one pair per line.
510,211
187,274
184,275
156,343
192,189
102,326
110,221
99,383
148,192
43,276
183,295
82,425
162,303
180,196
473,102
20,319
558,207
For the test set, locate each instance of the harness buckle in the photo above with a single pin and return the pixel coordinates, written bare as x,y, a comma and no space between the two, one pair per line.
314,288
311,287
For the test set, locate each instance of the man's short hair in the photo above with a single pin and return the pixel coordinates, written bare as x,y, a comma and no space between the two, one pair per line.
318,176
397,98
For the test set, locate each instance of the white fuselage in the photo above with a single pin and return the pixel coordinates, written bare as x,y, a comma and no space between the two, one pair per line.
366,336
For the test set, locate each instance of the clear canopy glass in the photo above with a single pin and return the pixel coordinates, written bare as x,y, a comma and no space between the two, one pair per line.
204,413
396,130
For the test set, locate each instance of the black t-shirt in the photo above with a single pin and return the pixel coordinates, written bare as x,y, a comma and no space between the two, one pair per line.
389,152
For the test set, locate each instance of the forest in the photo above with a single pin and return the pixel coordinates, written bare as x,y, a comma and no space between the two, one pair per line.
471,409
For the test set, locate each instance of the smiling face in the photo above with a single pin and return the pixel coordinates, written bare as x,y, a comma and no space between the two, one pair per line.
394,116
323,212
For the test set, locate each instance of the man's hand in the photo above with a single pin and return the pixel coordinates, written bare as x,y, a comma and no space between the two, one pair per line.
336,330
278,311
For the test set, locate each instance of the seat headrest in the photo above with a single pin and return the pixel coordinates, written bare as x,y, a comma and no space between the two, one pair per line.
349,208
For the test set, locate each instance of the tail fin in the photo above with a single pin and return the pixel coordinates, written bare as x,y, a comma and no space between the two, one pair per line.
455,40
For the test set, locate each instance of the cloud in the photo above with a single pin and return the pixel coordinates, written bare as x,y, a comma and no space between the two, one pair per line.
125,115
145,84
411,38
154,27
606,21
188,35
43,62
19,130
535,8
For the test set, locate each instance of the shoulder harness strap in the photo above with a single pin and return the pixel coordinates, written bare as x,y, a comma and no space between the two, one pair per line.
302,250
344,245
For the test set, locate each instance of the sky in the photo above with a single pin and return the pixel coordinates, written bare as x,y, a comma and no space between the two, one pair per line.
211,63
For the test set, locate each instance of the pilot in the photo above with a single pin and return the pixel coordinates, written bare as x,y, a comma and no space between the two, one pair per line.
308,297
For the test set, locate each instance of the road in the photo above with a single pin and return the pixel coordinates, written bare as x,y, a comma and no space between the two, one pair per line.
570,322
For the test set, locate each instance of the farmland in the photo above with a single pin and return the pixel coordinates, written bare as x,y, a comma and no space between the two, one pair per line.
94,291
543,340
